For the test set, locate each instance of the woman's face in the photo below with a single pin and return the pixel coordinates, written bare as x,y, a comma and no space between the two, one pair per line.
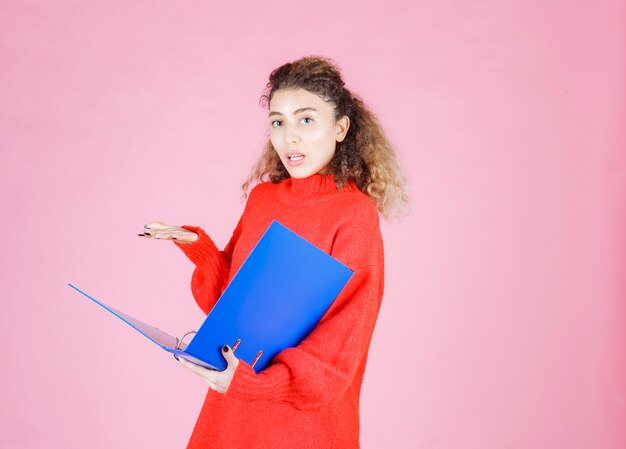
304,132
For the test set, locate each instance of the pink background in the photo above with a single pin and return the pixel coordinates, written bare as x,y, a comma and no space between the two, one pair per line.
503,324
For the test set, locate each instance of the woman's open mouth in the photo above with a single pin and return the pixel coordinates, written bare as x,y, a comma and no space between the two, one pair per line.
295,159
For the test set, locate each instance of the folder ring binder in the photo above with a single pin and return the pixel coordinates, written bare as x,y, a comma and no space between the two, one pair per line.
180,342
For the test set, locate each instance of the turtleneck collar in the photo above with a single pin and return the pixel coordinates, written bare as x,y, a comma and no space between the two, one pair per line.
311,188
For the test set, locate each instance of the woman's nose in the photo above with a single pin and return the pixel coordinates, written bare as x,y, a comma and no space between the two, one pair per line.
291,136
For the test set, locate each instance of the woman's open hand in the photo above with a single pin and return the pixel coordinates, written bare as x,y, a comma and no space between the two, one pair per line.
158,230
217,380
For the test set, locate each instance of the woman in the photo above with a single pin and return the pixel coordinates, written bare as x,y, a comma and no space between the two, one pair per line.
326,173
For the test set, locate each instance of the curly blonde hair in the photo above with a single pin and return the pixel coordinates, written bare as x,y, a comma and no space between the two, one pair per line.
365,156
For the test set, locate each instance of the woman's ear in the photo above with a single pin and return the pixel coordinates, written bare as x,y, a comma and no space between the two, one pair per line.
341,128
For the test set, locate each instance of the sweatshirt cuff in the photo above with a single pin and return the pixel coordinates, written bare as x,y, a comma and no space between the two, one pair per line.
247,385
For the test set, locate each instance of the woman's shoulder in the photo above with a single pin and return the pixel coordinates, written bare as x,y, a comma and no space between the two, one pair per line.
360,207
261,191
358,233
260,187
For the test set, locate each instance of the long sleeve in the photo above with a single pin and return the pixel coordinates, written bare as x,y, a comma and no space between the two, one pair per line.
212,266
322,367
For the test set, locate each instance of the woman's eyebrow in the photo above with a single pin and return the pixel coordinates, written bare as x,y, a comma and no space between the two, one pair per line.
297,111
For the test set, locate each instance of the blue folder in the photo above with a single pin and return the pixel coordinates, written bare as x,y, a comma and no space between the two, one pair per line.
273,302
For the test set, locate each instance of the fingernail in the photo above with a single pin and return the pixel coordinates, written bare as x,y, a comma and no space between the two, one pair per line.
225,348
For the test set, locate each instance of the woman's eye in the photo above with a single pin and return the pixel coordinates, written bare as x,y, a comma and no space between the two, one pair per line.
306,120
275,123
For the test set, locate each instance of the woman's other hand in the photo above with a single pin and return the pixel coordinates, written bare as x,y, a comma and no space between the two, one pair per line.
217,380
162,231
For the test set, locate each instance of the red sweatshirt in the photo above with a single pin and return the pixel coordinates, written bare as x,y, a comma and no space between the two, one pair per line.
309,396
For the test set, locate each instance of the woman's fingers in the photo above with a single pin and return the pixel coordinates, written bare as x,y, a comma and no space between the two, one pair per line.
199,370
209,376
156,228
178,234
153,228
217,380
156,225
162,231
231,360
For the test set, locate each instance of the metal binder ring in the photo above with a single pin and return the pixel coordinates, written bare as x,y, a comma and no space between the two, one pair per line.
180,342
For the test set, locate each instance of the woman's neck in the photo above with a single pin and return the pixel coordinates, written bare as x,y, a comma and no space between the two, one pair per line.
310,189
